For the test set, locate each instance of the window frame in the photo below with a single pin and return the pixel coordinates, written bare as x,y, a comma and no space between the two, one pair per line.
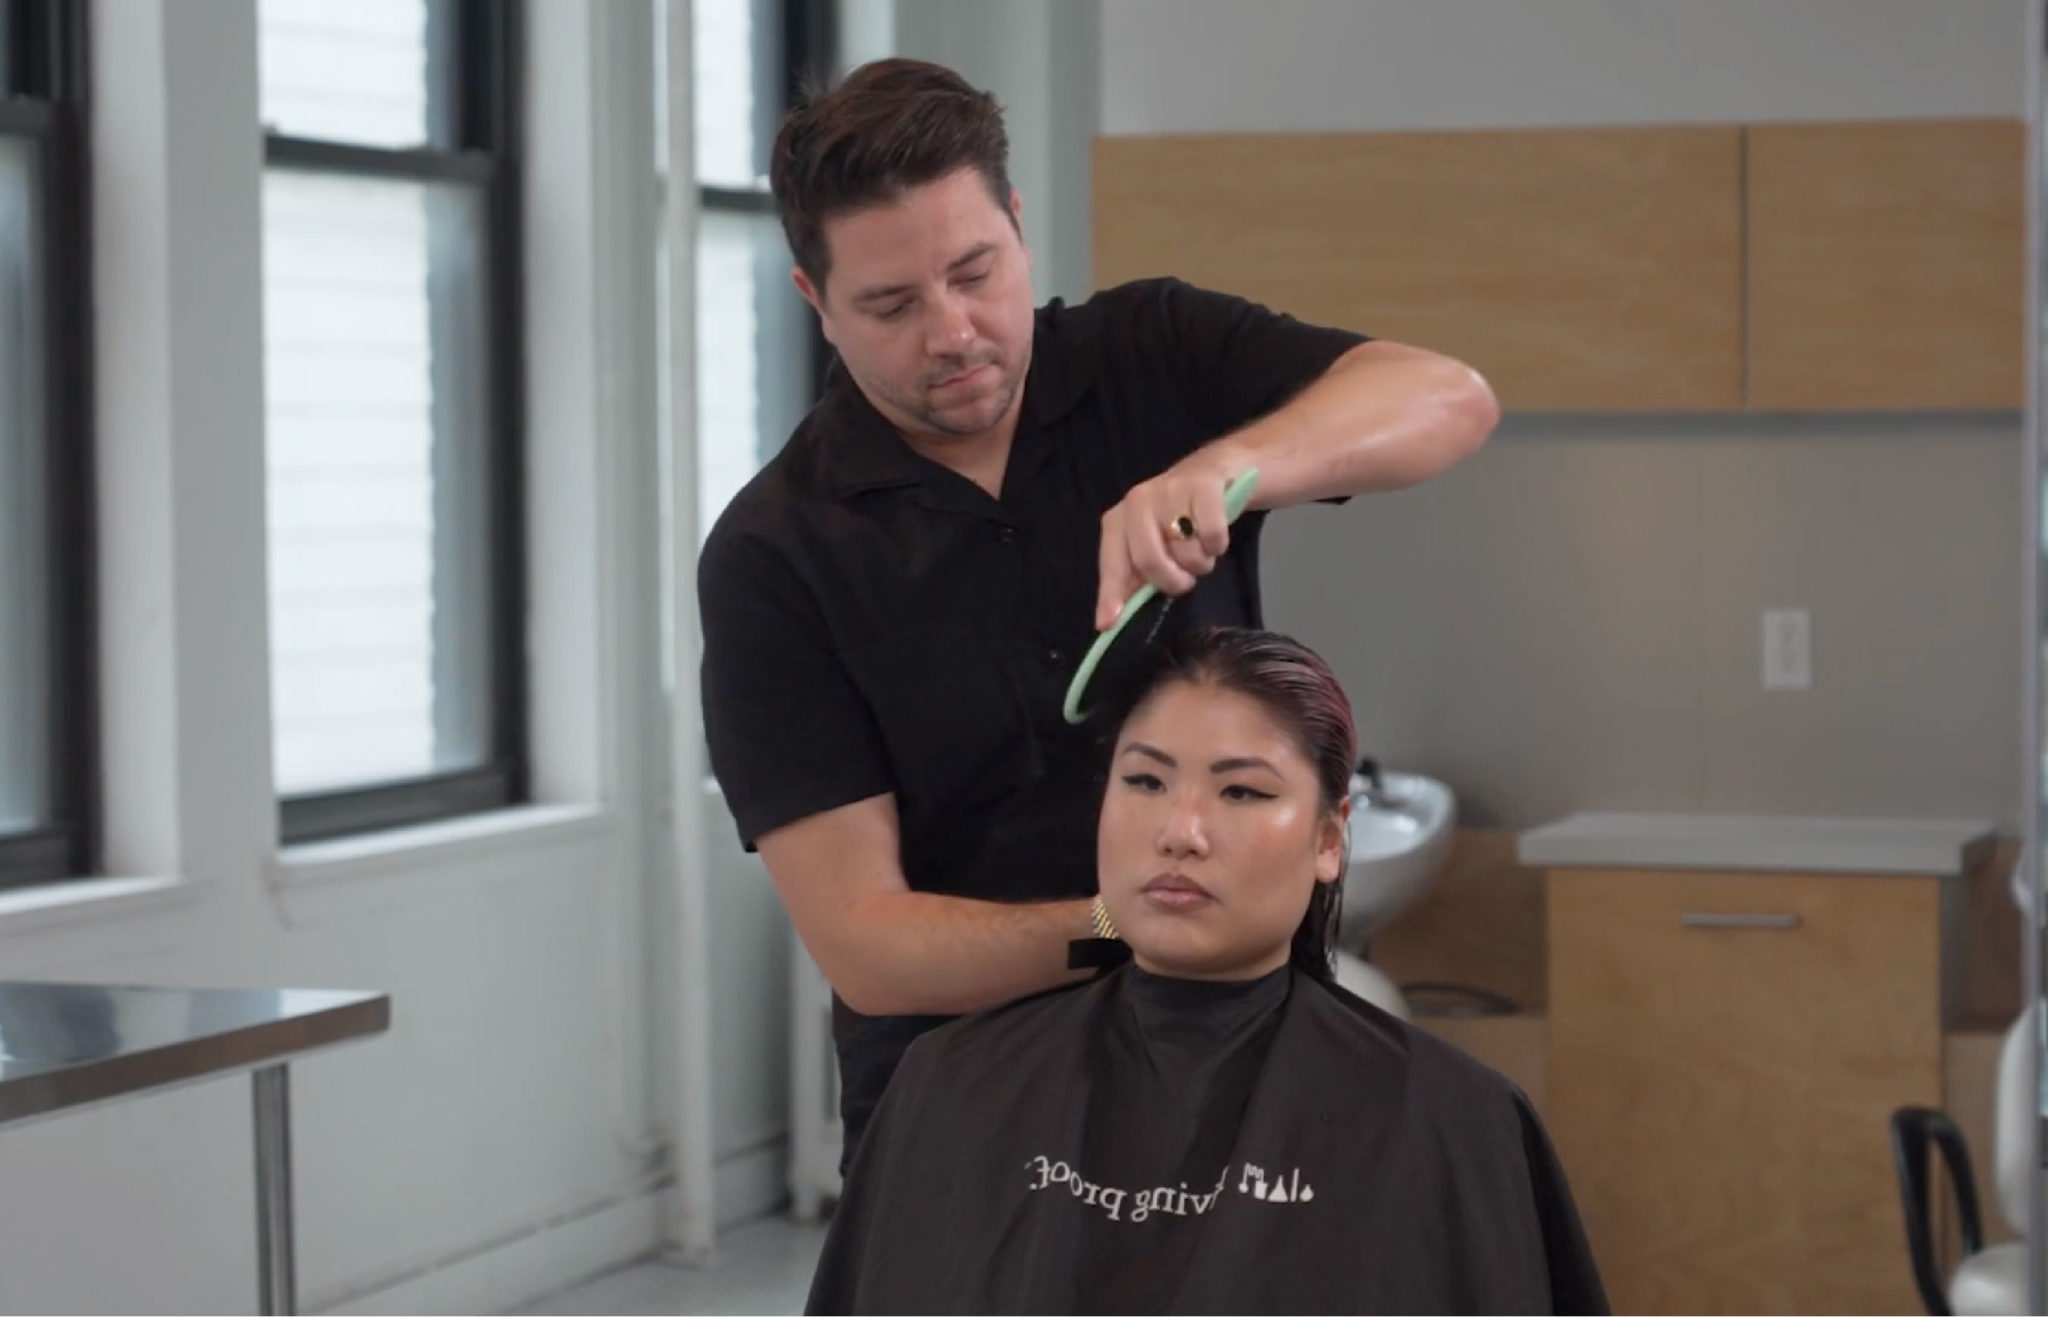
476,143
43,99
807,54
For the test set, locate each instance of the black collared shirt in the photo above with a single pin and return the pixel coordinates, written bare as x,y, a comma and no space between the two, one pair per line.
874,622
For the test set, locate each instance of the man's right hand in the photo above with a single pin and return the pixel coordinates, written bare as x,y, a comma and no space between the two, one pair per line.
1141,546
888,950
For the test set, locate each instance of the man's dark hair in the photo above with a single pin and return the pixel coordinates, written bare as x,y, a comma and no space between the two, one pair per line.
892,125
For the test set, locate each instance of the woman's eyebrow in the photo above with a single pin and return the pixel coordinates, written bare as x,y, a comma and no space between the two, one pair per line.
1233,764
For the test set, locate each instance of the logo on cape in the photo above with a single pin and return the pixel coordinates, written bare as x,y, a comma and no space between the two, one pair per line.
1166,1199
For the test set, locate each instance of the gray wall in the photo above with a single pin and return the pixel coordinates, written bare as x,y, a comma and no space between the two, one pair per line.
1572,621
1040,58
1308,65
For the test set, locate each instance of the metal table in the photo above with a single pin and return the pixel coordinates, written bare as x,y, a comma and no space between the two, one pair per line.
68,1045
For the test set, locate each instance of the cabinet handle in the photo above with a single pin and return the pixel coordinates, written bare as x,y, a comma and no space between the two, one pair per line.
1703,919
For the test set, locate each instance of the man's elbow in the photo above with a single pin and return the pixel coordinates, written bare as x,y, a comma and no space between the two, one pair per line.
866,997
1452,413
1470,411
842,968
868,992
1448,408
858,1001
854,966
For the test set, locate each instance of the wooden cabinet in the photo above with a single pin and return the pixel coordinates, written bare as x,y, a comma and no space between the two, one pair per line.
1582,269
1824,266
1726,1050
1886,264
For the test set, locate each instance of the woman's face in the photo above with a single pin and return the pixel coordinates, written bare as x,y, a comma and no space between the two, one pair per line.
1212,836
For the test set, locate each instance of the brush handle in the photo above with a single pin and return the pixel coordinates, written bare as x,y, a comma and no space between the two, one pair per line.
1238,493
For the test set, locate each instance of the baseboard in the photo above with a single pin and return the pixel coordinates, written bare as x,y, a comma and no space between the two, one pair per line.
752,1184
518,1269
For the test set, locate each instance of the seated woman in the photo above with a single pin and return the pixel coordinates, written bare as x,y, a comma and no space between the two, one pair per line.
1213,1126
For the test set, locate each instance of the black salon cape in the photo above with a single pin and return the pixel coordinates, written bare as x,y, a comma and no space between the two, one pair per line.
1141,1144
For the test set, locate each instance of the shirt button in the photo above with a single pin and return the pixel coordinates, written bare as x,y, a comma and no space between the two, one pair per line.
1055,656
1007,534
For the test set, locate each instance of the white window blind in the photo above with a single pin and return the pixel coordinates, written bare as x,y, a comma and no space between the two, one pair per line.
377,366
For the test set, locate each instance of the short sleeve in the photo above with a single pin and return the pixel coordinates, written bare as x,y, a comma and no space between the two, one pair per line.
788,732
1241,359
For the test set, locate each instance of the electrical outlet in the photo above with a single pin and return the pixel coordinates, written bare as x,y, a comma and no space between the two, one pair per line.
1788,649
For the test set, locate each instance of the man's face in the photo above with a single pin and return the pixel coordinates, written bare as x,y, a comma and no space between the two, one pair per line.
928,300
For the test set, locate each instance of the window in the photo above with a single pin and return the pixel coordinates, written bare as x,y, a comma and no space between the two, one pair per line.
45,602
758,349
391,411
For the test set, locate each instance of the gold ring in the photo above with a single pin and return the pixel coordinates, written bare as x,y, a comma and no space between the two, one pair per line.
1184,527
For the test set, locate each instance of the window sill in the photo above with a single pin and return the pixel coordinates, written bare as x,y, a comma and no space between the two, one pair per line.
82,900
403,852
399,853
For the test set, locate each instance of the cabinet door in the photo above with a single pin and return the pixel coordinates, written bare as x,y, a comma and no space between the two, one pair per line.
1886,264
1593,269
1726,1053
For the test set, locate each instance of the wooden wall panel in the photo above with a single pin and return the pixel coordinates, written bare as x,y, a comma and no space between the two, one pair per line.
1887,265
1578,269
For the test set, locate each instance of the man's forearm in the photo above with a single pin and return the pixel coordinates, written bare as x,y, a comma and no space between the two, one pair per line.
920,953
1384,417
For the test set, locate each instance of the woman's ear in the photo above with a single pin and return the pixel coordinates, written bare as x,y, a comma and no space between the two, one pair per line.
1331,838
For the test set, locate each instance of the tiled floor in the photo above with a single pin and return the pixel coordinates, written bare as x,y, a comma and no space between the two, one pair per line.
760,1268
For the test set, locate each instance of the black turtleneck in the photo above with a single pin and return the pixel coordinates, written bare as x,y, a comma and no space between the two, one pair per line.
1172,1074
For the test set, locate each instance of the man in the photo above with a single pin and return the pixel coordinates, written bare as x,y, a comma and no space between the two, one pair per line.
893,608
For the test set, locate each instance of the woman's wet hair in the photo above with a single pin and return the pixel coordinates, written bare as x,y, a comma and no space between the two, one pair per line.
1302,694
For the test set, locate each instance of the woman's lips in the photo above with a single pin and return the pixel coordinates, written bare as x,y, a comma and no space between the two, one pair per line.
1176,891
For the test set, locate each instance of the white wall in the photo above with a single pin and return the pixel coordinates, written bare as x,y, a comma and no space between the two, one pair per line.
750,1022
506,1136
1571,621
